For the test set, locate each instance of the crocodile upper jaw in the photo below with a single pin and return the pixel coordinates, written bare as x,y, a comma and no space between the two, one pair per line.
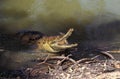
60,43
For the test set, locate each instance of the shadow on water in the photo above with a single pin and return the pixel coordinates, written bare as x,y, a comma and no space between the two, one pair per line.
105,32
104,36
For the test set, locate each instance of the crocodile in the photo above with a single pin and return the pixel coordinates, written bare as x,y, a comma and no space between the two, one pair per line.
41,42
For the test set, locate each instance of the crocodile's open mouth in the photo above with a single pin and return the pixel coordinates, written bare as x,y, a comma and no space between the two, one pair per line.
61,42
56,43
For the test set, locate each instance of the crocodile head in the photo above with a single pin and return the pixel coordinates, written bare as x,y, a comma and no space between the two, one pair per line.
55,43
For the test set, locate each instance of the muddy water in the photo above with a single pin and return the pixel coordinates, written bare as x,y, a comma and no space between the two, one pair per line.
43,16
96,23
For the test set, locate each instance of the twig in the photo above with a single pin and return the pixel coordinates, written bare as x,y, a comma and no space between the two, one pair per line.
63,58
114,51
107,54
44,60
84,60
